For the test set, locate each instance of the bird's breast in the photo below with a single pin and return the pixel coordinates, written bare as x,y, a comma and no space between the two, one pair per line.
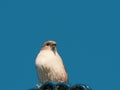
47,58
50,67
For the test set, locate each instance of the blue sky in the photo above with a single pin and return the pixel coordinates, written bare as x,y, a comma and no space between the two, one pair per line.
87,34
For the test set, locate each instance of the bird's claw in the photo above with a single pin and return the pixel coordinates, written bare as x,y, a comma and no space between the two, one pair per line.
38,86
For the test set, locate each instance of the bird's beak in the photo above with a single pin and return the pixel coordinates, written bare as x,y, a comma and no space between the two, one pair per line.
54,48
53,45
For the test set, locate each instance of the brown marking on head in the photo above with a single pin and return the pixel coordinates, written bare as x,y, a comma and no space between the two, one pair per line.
50,45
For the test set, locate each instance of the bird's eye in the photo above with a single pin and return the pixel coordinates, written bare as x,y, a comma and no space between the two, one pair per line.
48,44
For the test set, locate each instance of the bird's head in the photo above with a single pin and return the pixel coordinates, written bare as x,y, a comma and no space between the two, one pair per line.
50,45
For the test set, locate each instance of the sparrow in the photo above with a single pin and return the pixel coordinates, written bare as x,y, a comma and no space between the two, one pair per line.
49,64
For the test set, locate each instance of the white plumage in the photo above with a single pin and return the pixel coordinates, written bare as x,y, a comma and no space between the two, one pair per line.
49,64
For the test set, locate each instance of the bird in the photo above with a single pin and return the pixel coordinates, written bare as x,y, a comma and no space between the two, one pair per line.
49,64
